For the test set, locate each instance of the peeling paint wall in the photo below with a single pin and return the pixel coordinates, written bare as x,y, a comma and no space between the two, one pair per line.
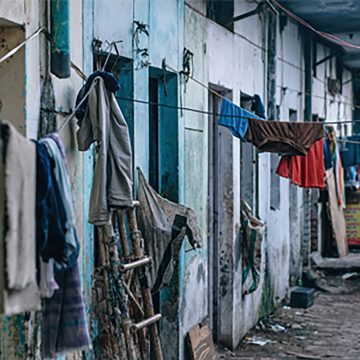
237,61
23,75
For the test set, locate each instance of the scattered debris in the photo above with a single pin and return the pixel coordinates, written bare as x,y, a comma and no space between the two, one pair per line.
303,356
201,343
352,275
257,340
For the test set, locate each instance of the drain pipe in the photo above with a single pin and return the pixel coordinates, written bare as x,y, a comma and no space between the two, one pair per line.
60,38
308,51
308,54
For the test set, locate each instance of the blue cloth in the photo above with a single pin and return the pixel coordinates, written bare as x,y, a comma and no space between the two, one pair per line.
350,153
111,85
50,211
327,155
235,118
258,107
71,243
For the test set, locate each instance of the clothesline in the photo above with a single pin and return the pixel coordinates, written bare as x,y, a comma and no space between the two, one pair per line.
348,141
83,76
18,47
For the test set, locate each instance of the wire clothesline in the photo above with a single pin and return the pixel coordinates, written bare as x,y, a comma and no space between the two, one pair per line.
183,108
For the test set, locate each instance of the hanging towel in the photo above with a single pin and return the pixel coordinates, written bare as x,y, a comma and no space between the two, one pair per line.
60,171
104,124
20,178
287,138
164,225
64,327
235,118
305,171
17,222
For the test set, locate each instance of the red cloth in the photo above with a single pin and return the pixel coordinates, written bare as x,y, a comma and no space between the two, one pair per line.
305,171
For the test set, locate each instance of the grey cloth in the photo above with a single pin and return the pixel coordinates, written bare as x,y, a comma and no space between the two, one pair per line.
113,175
18,227
164,225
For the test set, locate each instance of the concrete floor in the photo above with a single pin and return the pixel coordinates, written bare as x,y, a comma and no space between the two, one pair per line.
328,330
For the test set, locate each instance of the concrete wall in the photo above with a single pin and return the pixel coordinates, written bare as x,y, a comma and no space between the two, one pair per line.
22,75
237,61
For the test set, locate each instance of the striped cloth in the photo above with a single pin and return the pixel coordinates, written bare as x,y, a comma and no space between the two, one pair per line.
64,325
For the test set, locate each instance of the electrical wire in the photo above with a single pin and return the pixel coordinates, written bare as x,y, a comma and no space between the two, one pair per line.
81,102
330,37
183,108
18,47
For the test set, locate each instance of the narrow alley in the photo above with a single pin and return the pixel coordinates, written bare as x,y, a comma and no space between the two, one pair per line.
327,330
179,179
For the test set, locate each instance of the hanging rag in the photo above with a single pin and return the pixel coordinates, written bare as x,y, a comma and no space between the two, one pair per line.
328,158
64,327
350,152
50,212
287,138
164,225
17,222
111,85
48,284
252,232
305,171
258,107
337,164
113,175
235,118
60,171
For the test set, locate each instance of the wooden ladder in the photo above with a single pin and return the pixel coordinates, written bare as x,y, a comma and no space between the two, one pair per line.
133,311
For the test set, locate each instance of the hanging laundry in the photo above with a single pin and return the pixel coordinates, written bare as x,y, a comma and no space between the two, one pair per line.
258,106
337,164
60,171
305,171
48,284
328,158
164,225
252,231
104,124
111,85
64,327
235,118
17,225
350,151
287,138
50,211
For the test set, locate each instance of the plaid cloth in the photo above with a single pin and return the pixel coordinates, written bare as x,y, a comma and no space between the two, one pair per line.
64,325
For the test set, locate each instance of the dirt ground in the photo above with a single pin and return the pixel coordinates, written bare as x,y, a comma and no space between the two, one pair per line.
330,329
